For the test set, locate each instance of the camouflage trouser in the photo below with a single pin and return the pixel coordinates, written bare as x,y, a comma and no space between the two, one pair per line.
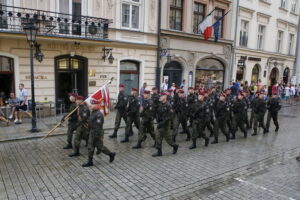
238,122
71,129
220,124
199,129
246,118
146,126
258,119
96,141
129,121
164,132
273,116
251,118
180,119
119,116
81,133
229,120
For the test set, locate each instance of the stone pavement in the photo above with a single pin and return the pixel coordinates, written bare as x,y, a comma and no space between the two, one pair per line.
261,167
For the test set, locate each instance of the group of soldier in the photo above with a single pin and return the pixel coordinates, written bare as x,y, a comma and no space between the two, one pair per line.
196,111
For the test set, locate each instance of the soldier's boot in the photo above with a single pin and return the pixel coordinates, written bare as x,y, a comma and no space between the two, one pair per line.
74,154
174,138
277,128
254,133
131,133
112,156
193,146
86,142
206,141
126,139
232,136
175,148
114,135
216,141
266,130
138,145
211,134
227,137
68,146
158,153
188,138
245,134
89,163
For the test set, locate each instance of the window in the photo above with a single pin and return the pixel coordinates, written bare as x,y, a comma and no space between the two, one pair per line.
283,4
131,14
176,10
244,33
293,6
199,14
255,73
279,41
3,18
291,44
261,37
129,75
218,13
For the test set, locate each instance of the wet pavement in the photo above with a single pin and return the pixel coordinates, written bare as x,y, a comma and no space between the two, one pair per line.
261,167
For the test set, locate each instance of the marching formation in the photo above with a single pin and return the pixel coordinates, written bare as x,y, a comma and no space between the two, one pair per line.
196,111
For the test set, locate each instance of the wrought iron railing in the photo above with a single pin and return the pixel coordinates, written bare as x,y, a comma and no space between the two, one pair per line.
13,19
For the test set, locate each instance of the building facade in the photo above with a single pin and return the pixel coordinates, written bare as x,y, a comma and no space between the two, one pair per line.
72,37
187,55
266,41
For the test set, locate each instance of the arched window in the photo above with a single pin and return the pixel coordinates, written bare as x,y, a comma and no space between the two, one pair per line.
210,72
255,73
7,80
129,75
286,74
173,73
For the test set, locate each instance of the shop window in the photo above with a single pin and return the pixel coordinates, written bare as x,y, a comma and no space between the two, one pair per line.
129,75
7,81
255,73
210,72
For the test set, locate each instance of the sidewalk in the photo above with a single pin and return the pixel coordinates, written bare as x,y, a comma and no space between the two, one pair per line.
21,131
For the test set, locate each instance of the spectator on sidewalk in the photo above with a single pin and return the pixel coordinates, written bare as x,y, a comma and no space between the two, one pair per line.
12,103
142,90
164,86
2,118
298,157
287,91
23,105
173,87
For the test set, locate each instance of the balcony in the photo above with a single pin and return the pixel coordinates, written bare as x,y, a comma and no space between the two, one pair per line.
13,19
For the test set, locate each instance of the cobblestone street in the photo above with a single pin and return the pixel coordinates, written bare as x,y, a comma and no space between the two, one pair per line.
261,167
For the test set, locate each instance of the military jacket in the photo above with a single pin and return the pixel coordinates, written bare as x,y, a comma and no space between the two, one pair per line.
155,100
201,111
273,105
122,101
95,122
163,114
222,110
148,110
239,107
83,114
259,106
73,117
133,105
181,106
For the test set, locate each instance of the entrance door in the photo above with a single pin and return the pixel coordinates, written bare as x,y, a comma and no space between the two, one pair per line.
286,74
7,81
70,76
173,71
273,76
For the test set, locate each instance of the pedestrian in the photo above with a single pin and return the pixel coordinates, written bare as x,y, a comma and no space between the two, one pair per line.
287,92
163,126
259,109
173,87
143,88
200,112
23,105
273,106
95,124
83,114
164,86
13,101
147,116
132,114
182,85
121,109
2,118
72,121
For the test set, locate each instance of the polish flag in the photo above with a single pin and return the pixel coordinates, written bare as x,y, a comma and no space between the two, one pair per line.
101,95
206,26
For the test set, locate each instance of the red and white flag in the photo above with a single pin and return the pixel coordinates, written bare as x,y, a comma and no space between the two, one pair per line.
101,95
206,26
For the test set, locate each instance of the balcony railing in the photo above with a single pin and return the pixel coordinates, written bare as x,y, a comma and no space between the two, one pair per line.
13,19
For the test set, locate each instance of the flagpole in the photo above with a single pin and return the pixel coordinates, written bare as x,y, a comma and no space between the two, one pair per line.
207,16
69,114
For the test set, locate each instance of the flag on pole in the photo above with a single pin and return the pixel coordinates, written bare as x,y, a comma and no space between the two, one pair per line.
101,95
206,26
216,27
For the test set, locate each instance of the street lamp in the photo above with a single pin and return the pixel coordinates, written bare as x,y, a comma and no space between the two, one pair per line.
31,32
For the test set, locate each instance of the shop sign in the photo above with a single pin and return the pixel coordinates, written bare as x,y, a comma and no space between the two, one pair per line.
92,83
254,59
69,47
38,77
243,57
241,63
92,73
104,76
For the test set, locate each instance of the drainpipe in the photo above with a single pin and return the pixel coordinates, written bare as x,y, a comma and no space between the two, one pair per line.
233,55
296,70
157,80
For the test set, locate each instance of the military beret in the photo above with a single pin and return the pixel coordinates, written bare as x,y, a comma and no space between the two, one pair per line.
134,89
181,91
72,95
94,101
154,88
191,88
163,93
223,94
170,90
79,98
121,85
146,92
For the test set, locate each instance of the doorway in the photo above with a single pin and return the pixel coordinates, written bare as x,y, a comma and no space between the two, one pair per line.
7,80
70,76
273,76
129,75
173,72
286,74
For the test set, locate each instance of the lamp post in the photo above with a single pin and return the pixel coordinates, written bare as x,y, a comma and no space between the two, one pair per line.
31,32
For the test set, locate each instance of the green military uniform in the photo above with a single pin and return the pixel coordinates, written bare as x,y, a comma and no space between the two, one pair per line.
221,112
121,112
252,102
248,104
191,100
210,101
132,116
147,116
200,113
83,114
72,125
259,109
155,100
273,106
181,112
163,128
229,116
239,112
95,123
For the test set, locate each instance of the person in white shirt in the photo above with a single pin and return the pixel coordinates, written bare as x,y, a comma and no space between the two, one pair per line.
287,93
164,86
23,106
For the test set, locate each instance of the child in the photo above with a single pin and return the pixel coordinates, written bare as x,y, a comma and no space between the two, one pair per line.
2,118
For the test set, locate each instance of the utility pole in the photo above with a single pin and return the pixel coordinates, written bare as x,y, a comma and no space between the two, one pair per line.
157,80
296,71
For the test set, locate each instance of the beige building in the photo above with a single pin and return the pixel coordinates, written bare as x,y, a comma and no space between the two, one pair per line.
192,58
73,45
